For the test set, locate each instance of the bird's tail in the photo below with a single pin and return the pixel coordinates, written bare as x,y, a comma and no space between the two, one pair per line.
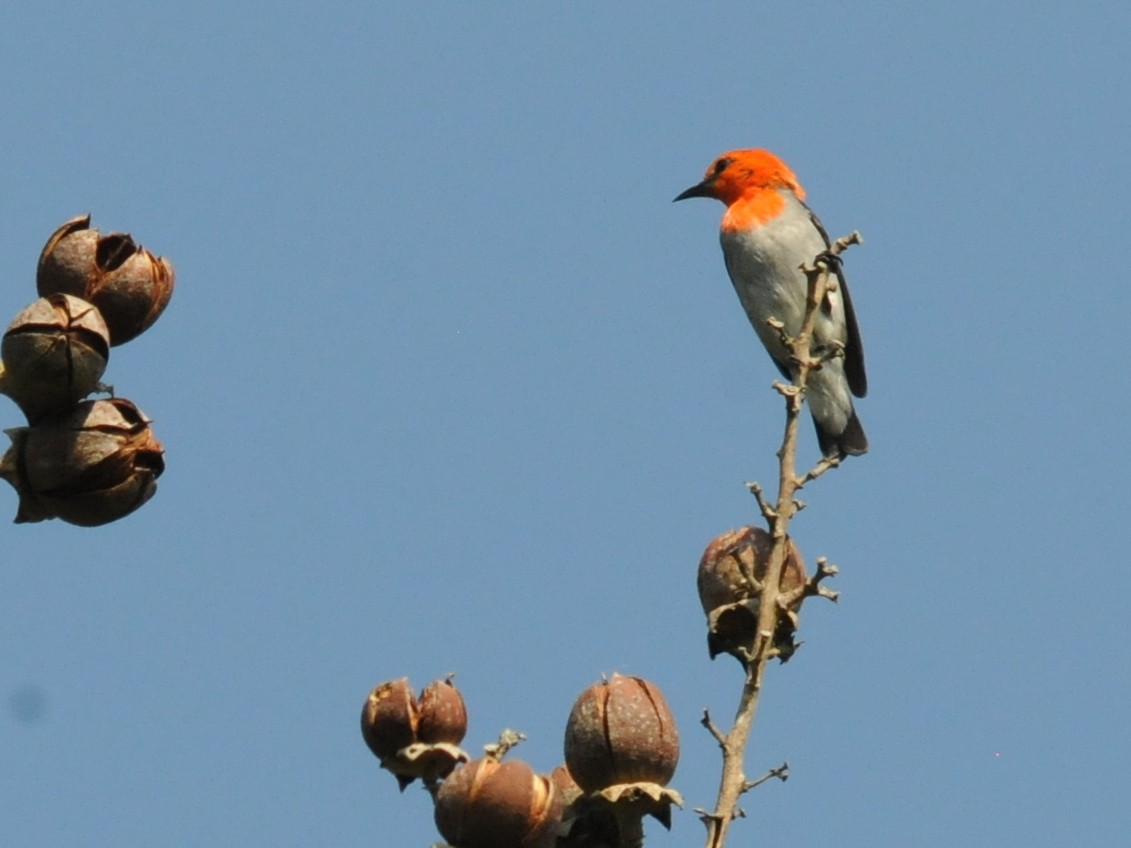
849,442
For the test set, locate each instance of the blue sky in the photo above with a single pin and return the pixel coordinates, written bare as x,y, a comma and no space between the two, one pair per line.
449,385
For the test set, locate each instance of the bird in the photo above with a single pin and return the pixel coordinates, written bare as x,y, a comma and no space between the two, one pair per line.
767,233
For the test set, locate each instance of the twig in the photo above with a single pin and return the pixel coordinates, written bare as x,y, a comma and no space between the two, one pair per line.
713,728
827,463
768,511
507,740
781,773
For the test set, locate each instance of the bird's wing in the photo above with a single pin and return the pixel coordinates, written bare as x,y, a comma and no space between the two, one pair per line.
853,348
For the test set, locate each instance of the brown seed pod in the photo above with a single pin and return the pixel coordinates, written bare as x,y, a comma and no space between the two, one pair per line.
621,731
488,804
729,571
388,719
442,713
54,353
732,558
130,286
90,465
415,737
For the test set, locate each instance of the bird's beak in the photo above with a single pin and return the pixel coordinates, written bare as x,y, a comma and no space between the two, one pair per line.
702,190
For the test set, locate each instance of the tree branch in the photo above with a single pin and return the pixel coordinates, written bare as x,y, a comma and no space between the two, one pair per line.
733,783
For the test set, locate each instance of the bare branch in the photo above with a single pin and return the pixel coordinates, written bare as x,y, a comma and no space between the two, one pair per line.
813,584
713,729
768,511
781,773
773,603
826,463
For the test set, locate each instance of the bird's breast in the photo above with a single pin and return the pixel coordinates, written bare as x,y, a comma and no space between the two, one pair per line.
764,263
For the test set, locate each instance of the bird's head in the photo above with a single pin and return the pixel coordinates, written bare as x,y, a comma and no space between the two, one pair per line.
738,174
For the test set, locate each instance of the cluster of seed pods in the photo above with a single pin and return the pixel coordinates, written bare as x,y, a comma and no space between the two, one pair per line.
621,749
86,462
621,743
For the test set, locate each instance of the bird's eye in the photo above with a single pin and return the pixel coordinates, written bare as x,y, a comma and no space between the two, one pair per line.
720,166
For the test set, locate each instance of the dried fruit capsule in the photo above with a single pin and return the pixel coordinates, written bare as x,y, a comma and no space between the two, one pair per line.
388,719
54,353
729,572
91,465
415,737
130,286
488,804
442,713
621,731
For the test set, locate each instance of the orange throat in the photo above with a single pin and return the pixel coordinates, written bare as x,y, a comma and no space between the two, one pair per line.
752,210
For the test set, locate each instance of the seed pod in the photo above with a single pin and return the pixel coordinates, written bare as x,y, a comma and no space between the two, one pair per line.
621,731
488,804
442,714
415,737
388,719
91,465
54,353
130,286
729,573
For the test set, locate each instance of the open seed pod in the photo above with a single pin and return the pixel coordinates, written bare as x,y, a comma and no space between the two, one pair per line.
130,286
730,573
54,353
415,736
492,804
90,465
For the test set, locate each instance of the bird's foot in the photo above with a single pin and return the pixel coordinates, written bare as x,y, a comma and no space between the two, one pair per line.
832,260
